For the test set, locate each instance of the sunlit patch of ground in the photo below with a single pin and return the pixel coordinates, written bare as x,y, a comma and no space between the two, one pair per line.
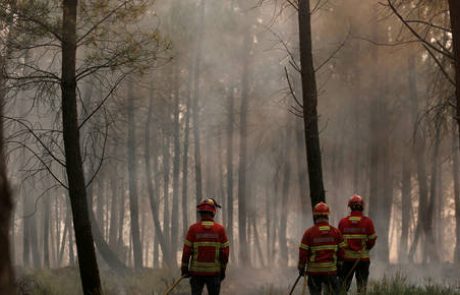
239,281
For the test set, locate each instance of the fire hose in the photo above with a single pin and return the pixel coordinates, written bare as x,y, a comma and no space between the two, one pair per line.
170,289
295,284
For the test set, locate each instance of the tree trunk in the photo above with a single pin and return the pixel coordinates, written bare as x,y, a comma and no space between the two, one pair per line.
243,166
159,237
196,106
284,256
114,211
430,243
71,236
166,169
230,131
46,232
454,12
419,152
25,228
406,204
455,175
185,205
7,285
302,175
310,101
89,272
176,169
132,170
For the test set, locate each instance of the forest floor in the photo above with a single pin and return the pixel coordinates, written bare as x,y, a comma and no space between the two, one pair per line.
395,279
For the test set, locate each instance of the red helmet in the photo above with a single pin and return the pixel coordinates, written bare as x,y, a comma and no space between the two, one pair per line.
208,205
321,209
356,201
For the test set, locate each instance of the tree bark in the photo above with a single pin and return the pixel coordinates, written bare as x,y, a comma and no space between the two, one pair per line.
132,170
284,255
185,205
430,243
196,106
454,12
89,272
419,152
230,131
7,285
243,166
176,168
166,169
25,229
46,232
406,204
151,191
310,102
456,175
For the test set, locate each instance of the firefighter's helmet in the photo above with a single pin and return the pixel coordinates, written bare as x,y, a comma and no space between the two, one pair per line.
208,205
356,202
321,209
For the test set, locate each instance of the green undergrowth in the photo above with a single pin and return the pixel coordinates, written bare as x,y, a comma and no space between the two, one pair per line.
150,282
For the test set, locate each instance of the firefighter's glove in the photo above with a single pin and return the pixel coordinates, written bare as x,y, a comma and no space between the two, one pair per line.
222,274
184,271
301,269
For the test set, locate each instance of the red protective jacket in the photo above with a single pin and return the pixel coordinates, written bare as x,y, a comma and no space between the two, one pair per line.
206,248
359,234
320,249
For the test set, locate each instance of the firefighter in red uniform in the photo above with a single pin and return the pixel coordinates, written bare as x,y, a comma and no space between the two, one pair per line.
319,251
359,235
205,252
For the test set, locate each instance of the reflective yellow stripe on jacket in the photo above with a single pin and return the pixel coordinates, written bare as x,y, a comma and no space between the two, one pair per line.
206,266
322,266
364,253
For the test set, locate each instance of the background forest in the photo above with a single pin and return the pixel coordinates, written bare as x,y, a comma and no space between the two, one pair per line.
181,100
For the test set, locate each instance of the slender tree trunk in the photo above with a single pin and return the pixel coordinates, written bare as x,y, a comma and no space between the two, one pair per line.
25,229
166,169
430,243
196,105
455,175
132,170
89,272
220,190
185,205
100,203
310,101
284,256
7,285
159,237
257,239
230,131
176,169
406,204
121,221
114,212
46,232
243,166
419,152
454,12
386,201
